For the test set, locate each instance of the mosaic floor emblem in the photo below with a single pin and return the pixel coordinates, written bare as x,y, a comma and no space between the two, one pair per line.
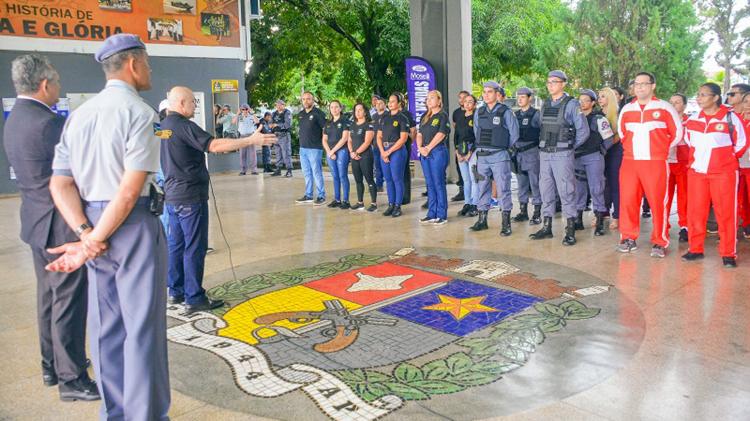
362,335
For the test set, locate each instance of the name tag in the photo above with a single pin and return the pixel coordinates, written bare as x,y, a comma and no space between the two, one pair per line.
525,122
496,120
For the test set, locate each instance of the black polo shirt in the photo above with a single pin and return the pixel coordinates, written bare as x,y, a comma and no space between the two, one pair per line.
358,132
183,161
311,126
335,130
437,123
464,138
393,125
377,120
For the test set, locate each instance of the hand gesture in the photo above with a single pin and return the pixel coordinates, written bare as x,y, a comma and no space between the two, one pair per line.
73,256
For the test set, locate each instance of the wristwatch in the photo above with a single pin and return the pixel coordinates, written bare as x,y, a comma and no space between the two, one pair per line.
84,226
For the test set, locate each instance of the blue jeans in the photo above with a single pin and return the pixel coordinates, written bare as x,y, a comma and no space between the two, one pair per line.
434,166
340,171
187,239
266,155
312,169
393,172
471,194
378,164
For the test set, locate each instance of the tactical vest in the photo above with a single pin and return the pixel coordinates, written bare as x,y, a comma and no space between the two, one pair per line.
528,136
492,131
594,143
556,133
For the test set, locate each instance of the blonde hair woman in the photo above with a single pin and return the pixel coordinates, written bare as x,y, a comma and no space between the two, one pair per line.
613,158
432,139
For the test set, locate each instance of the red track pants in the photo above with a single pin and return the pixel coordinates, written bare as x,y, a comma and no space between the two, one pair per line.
678,181
639,178
721,190
743,199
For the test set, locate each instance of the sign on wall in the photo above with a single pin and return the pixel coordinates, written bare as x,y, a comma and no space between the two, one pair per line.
193,28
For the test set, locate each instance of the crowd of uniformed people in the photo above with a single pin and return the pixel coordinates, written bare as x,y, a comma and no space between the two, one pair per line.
90,205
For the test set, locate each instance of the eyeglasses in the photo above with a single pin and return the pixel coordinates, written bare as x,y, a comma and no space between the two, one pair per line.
732,93
554,82
642,84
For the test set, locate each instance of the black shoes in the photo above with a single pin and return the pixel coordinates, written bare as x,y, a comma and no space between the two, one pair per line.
481,223
372,208
646,213
458,197
505,225
319,201
523,215
334,204
276,173
464,210
80,389
358,206
473,211
689,256
304,199
345,205
729,262
578,221
599,225
389,210
683,235
425,205
49,376
176,299
396,211
570,233
536,218
288,174
209,304
242,173
545,232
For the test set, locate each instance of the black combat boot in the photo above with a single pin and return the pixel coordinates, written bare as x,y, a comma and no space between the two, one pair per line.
599,227
481,223
277,172
536,218
505,229
570,233
523,215
545,232
579,221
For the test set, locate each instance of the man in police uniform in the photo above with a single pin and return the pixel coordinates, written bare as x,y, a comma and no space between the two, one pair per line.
282,123
186,179
102,172
496,131
589,165
564,128
527,157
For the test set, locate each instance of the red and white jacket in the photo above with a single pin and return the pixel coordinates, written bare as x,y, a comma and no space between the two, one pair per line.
680,153
648,133
745,158
712,149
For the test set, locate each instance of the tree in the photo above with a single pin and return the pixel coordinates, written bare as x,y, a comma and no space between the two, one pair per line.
723,19
613,40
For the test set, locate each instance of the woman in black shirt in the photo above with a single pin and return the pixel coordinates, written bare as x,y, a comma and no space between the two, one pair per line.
392,136
335,136
434,128
361,134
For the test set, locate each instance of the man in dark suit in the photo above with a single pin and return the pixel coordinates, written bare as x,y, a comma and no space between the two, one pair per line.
31,133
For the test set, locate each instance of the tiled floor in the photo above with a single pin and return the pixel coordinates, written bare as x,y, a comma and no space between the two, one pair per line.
693,361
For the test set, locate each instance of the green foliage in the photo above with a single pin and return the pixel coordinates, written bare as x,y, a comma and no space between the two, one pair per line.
615,40
507,348
723,19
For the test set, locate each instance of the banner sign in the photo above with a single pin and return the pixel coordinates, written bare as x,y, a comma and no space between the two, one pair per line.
224,85
176,23
420,79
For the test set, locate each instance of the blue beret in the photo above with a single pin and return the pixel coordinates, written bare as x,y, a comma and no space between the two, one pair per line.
494,85
118,43
558,74
280,101
524,91
590,93
245,106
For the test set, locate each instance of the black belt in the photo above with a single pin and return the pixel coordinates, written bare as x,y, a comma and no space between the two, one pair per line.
580,154
553,149
488,152
526,147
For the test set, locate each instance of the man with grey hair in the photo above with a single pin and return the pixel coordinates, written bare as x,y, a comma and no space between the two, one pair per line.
31,133
102,179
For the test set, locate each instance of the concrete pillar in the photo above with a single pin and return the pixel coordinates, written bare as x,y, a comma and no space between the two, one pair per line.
441,33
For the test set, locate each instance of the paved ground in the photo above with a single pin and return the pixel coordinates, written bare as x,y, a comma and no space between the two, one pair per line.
670,342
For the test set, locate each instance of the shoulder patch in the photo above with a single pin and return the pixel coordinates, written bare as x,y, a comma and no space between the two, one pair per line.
161,134
605,129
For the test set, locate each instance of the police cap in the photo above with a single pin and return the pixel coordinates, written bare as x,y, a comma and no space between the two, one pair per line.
118,43
558,74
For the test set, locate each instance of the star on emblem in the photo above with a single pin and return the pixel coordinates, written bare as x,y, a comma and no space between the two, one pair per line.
460,307
373,283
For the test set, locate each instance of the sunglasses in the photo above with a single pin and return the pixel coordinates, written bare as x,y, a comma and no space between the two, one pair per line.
732,93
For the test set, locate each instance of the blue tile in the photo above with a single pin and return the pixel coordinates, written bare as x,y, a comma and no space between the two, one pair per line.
504,302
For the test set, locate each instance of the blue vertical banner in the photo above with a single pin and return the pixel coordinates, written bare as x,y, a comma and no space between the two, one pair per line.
420,79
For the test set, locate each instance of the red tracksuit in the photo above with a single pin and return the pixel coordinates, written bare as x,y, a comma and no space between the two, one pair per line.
647,133
743,197
678,168
713,177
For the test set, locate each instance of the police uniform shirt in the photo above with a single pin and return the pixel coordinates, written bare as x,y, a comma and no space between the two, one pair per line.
183,160
392,126
114,131
358,132
509,119
283,120
437,123
311,124
464,132
246,125
573,116
335,131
